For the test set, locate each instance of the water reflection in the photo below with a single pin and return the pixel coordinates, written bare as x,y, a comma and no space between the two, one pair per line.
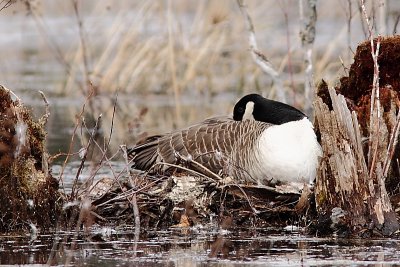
195,247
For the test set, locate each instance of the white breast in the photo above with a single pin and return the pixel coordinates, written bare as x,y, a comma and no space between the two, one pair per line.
288,153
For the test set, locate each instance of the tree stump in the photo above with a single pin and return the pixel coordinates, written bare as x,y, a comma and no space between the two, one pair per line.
356,179
29,196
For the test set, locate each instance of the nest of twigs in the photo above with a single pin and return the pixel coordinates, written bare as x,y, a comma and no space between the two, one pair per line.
183,199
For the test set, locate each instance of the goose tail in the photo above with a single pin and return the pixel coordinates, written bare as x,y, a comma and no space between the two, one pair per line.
144,155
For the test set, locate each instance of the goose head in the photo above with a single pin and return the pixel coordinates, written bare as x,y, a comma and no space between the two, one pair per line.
256,107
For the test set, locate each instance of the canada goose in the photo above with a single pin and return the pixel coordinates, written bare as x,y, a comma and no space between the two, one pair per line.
266,142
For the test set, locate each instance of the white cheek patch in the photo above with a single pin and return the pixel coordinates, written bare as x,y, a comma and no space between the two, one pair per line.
248,113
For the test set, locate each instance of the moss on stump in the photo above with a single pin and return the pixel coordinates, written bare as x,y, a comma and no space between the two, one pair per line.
28,192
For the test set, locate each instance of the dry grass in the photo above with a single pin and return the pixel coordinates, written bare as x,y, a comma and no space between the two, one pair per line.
180,49
183,50
129,45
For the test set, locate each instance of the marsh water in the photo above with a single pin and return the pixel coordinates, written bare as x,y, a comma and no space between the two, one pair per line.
117,246
27,67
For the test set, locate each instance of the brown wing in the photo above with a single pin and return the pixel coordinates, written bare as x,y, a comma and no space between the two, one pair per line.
211,143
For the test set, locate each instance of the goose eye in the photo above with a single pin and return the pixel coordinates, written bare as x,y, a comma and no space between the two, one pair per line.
241,110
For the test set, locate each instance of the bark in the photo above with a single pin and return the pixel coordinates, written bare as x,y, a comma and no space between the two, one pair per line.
344,181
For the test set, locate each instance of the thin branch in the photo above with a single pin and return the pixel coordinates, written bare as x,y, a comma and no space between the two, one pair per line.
112,119
173,68
289,53
360,9
375,103
375,110
396,23
132,191
83,45
383,17
307,36
43,120
12,93
392,145
260,59
51,42
349,16
255,211
107,144
6,4
71,143
184,169
215,177
200,166
104,160
85,152
132,199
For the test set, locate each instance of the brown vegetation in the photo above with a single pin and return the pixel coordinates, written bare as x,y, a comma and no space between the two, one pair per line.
166,201
28,192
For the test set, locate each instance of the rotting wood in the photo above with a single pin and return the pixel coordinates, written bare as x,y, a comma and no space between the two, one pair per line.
29,196
343,180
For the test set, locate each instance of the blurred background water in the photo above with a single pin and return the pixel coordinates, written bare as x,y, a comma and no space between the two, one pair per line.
139,48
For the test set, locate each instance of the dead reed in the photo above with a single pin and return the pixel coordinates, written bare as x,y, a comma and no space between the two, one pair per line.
190,50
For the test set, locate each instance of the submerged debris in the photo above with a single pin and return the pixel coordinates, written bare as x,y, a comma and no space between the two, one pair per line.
28,192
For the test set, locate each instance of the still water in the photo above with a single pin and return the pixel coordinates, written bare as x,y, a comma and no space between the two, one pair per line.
201,245
195,247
